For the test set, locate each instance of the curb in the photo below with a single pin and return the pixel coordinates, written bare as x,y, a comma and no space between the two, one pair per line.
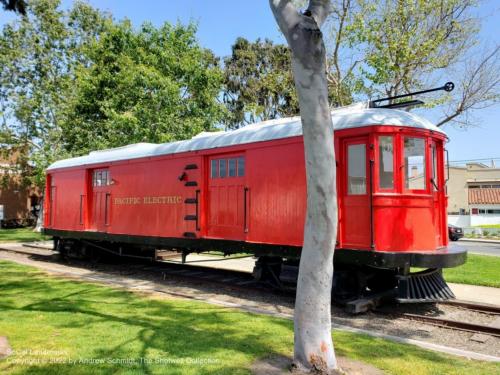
477,240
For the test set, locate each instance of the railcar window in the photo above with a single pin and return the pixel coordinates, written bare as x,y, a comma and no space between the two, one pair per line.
414,153
386,162
356,167
434,167
231,168
222,167
241,166
101,178
213,168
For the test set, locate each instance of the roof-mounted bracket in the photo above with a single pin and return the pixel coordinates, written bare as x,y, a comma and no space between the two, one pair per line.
448,86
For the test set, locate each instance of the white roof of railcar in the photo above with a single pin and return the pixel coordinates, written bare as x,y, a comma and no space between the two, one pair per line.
353,116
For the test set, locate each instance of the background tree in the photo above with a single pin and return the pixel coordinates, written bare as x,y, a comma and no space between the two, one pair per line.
151,85
378,48
312,316
478,82
75,80
258,83
18,6
412,45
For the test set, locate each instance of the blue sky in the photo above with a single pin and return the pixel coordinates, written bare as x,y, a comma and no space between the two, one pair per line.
220,22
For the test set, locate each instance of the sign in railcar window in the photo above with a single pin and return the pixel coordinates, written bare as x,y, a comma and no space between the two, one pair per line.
356,168
386,162
232,167
414,154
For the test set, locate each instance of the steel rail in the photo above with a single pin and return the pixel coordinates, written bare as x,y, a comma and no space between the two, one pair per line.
454,324
473,306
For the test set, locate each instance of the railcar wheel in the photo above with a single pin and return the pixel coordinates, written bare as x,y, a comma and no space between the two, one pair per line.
268,269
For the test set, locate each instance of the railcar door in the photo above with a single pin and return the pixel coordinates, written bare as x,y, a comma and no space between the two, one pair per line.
101,200
356,194
227,197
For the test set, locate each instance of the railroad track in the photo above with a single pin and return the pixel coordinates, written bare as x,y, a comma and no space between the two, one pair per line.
194,271
238,280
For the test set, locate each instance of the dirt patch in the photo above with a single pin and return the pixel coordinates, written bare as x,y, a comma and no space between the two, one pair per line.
353,367
5,349
275,365
281,365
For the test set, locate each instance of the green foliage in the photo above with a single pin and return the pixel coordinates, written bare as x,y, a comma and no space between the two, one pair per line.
18,6
407,41
39,54
74,81
258,82
51,321
150,85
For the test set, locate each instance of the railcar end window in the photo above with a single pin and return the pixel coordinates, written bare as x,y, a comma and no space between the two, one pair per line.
386,162
414,154
434,167
356,167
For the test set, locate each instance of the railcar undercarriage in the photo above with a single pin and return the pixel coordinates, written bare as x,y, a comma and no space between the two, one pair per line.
362,279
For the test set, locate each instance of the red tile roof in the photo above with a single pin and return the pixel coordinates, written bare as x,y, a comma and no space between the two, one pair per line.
484,196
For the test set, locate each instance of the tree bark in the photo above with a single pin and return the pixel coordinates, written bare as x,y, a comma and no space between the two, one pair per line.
313,346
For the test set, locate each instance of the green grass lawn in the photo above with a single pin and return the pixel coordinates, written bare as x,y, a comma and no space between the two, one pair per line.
488,226
20,235
57,326
478,270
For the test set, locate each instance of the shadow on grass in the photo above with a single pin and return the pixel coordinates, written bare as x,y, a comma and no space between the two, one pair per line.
165,336
111,325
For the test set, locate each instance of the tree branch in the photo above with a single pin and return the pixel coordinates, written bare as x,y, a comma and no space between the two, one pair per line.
286,15
320,9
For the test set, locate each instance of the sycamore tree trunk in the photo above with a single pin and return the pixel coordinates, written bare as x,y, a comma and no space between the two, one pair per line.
313,341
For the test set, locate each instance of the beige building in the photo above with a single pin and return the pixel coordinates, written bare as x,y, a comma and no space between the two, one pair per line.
474,190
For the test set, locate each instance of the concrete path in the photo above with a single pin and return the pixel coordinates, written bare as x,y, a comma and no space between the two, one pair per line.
245,264
474,293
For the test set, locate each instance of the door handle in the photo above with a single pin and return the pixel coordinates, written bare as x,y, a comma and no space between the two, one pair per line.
197,204
245,210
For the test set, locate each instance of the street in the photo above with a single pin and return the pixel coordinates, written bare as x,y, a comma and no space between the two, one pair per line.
483,248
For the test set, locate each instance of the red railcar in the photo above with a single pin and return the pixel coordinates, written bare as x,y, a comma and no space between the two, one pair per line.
245,191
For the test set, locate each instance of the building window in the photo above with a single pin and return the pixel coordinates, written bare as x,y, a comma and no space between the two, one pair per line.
474,211
493,212
386,162
101,178
356,168
414,154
